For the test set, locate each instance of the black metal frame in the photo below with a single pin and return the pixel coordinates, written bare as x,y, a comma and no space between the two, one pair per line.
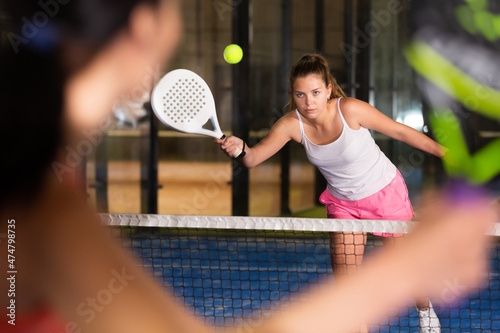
319,182
240,84
101,176
286,43
149,165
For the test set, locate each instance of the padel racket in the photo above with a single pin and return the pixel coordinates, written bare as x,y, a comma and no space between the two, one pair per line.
458,68
183,101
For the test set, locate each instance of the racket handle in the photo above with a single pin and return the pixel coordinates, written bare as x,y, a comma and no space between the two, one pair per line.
461,193
238,152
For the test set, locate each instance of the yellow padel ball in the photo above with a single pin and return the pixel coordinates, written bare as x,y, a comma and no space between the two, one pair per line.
233,53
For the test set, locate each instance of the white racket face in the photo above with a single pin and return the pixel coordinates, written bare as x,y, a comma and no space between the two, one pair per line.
183,101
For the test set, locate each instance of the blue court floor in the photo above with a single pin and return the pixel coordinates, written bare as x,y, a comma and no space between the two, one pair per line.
226,278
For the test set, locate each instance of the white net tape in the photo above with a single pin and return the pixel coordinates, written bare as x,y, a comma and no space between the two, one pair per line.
263,223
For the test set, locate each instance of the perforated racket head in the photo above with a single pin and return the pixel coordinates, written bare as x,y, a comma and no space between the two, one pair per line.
183,101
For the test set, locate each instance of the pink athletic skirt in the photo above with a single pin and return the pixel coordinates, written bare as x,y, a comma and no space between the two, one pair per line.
390,203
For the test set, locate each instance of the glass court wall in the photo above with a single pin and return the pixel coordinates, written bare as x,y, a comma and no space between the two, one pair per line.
142,167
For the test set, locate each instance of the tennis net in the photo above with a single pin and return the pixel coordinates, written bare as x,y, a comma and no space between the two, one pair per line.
230,271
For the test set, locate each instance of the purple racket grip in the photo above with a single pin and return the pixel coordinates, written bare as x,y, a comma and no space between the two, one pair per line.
461,193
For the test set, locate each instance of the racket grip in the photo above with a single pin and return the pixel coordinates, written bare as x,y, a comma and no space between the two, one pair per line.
238,152
461,193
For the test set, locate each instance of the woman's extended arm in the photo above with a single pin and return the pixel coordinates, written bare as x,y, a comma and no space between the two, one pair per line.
369,117
281,132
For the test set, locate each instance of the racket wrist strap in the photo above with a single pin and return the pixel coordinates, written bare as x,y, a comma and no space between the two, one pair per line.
243,153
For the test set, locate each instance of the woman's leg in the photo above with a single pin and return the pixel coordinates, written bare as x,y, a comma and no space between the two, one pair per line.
346,251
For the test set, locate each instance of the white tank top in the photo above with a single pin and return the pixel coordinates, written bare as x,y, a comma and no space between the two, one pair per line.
353,165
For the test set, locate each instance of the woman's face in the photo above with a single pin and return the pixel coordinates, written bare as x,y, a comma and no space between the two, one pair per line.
311,95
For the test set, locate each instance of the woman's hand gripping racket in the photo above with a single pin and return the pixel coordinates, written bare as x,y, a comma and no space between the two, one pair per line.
183,101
